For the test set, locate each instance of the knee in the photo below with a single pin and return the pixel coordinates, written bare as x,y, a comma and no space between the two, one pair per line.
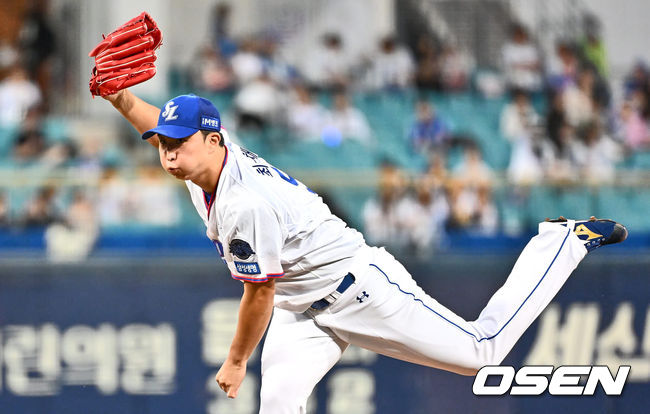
484,357
475,368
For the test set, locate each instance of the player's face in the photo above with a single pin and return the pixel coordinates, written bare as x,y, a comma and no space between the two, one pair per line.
183,158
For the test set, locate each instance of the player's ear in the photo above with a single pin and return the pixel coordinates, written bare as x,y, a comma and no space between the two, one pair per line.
214,139
219,138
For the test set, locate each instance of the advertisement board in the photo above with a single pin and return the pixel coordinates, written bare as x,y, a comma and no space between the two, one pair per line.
145,336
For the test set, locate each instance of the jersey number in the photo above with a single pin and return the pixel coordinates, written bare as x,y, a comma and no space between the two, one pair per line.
285,177
290,179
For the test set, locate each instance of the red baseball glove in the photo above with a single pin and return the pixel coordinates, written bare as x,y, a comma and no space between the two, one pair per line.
126,56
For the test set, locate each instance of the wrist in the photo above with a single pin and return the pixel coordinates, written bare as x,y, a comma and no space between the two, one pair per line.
119,100
237,361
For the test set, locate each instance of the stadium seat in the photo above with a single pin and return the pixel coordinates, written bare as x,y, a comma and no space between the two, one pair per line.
7,137
640,160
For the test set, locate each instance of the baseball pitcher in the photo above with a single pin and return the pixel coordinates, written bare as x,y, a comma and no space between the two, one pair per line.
311,280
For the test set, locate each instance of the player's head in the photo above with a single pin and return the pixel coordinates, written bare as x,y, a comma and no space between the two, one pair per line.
189,135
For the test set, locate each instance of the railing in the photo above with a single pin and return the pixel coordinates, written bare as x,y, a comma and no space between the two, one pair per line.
325,177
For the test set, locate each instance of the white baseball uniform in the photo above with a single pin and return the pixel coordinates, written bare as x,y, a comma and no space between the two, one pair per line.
266,224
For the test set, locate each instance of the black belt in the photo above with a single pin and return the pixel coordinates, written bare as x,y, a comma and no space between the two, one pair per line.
347,281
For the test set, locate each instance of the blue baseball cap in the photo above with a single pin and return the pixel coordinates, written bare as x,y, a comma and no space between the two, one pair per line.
184,116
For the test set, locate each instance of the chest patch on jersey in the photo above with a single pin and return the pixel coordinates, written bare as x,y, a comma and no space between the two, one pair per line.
241,249
247,268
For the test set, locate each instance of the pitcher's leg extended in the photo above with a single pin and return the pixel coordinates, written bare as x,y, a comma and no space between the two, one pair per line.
400,320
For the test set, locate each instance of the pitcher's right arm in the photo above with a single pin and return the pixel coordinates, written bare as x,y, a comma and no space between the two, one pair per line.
142,115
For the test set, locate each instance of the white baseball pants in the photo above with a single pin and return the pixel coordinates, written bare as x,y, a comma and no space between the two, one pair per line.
400,320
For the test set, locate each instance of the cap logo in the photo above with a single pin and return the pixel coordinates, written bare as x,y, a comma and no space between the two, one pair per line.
169,111
210,122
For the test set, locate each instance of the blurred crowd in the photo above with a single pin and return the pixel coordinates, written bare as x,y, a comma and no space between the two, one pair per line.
577,137
560,120
36,142
270,89
417,212
582,134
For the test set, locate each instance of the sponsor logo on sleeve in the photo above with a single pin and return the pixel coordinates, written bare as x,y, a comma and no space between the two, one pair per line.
247,268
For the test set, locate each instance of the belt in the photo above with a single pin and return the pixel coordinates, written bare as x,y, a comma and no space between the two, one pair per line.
347,281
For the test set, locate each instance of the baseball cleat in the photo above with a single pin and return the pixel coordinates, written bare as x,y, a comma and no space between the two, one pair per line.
596,232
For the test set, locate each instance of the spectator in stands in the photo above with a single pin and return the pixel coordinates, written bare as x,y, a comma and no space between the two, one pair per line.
561,136
428,72
29,146
563,66
392,67
17,95
470,178
382,224
8,57
522,126
593,47
587,92
424,215
246,64
633,129
579,104
37,44
486,216
637,90
41,211
519,118
596,155
60,154
456,67
259,104
436,174
429,132
220,28
329,64
472,210
90,155
305,116
113,204
521,61
462,204
73,239
555,120
563,167
637,80
5,219
211,73
152,193
346,122
473,171
274,63
30,143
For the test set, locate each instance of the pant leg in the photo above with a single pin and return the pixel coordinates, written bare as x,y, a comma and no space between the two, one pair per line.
297,354
400,320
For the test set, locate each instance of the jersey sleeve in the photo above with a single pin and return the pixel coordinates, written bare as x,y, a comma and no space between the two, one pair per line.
253,243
